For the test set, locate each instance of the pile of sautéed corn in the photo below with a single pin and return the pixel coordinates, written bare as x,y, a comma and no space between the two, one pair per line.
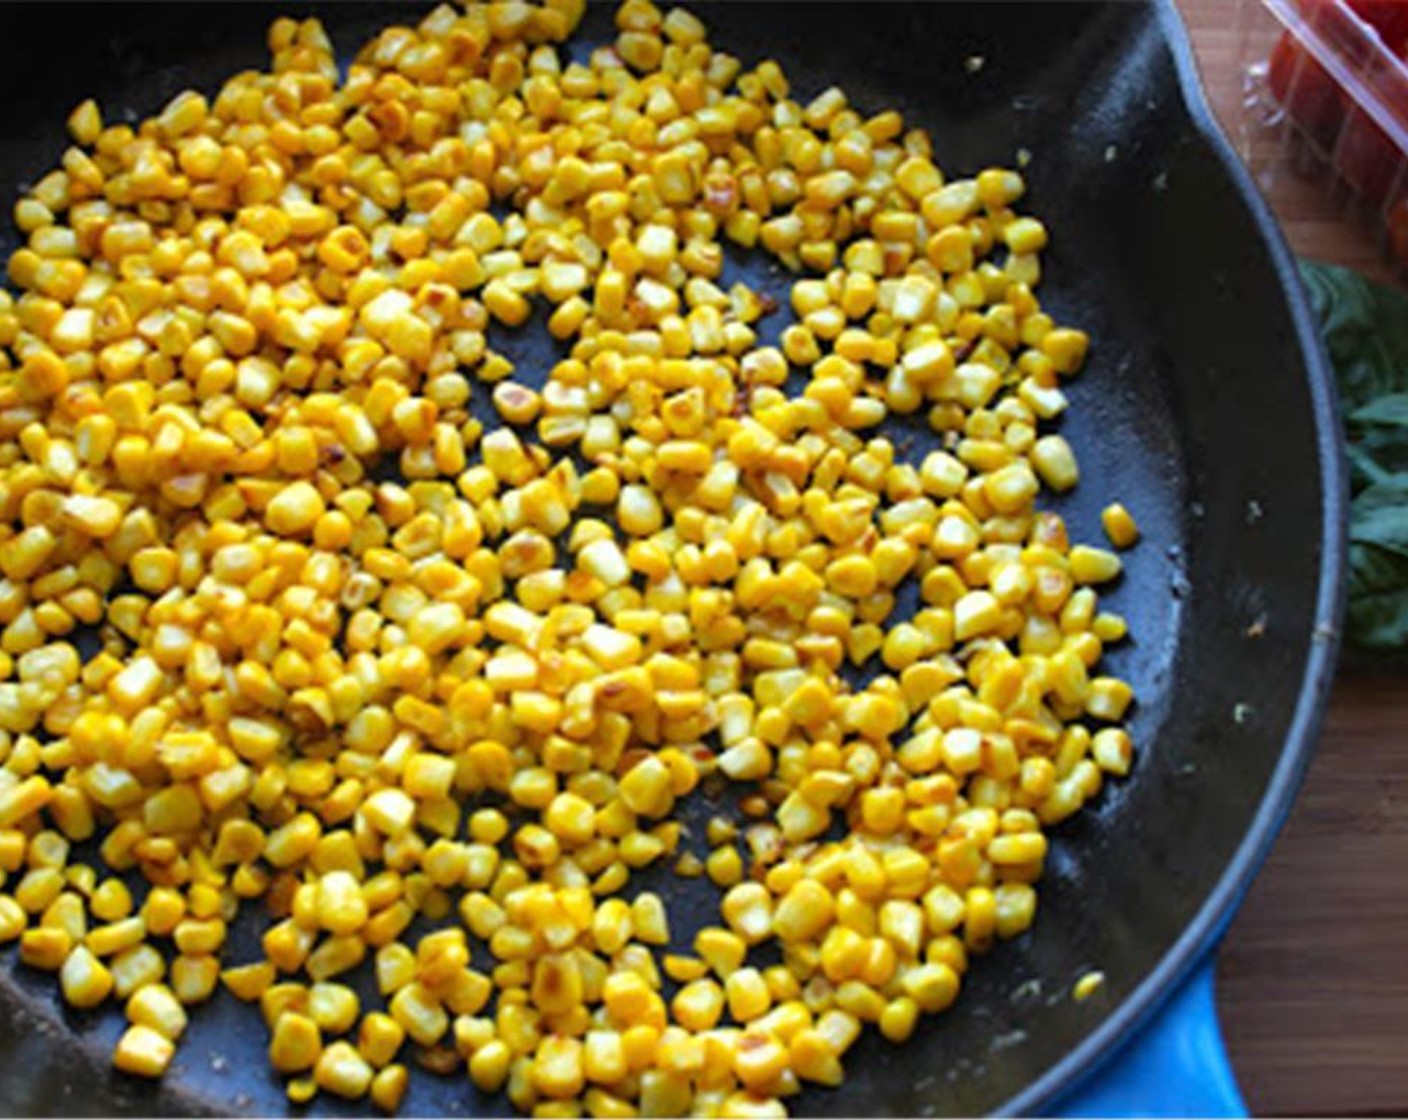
285,629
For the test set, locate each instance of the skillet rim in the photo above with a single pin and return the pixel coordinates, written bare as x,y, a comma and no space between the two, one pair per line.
1198,937
1196,944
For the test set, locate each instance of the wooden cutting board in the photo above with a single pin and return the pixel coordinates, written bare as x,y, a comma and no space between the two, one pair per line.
1313,977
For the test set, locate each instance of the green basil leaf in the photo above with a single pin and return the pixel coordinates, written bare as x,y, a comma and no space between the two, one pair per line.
1365,328
1384,527
1389,409
1376,616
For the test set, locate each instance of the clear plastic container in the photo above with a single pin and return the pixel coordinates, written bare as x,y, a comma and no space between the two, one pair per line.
1328,80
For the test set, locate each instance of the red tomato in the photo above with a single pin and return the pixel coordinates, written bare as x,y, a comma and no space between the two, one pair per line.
1304,89
1366,158
1388,17
1398,230
1363,155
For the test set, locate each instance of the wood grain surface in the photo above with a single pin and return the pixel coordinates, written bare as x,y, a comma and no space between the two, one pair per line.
1313,976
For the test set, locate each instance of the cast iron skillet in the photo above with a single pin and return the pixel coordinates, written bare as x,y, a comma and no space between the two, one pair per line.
1205,407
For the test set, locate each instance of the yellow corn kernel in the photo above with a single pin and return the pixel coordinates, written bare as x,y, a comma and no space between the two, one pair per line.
898,1019
111,901
341,1070
301,1090
813,1056
22,799
379,1038
1088,984
1109,699
45,947
296,1043
748,909
333,1007
420,1013
558,1068
1055,462
294,509
1119,525
976,613
85,981
134,967
390,811
604,1057
143,1052
698,1006
571,818
804,911
649,920
489,1066
724,866
748,995
193,979
85,123
646,788
157,1007
760,1060
933,987
13,919
1093,565
1066,349
250,981
1015,908
389,1087
1112,750
505,304
1025,847
341,905
1024,235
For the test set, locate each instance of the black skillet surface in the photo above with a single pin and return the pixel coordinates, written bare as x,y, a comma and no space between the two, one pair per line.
1205,407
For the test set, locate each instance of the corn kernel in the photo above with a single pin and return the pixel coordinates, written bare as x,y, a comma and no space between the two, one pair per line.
1119,525
143,1052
